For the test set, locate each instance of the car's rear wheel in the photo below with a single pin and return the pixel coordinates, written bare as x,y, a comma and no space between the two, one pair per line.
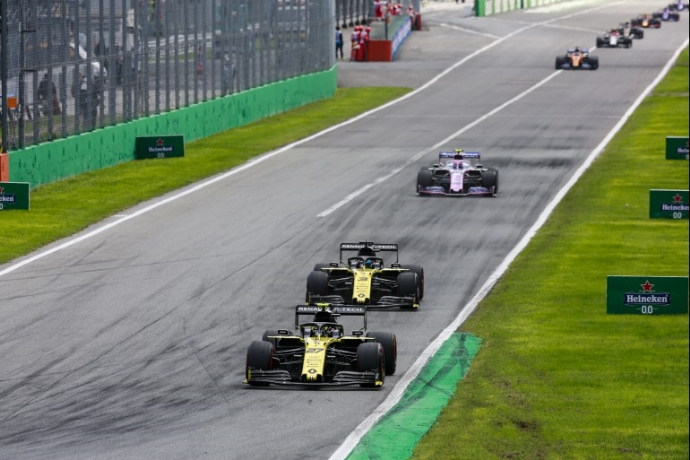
560,61
371,357
390,348
259,356
317,284
600,42
424,179
318,267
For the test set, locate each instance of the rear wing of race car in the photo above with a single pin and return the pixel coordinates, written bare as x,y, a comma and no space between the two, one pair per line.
458,155
335,310
374,247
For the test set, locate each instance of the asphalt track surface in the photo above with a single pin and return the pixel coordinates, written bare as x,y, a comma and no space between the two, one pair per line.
131,343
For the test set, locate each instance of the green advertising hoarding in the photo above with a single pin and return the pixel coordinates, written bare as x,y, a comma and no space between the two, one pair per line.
147,147
646,295
677,148
668,204
14,195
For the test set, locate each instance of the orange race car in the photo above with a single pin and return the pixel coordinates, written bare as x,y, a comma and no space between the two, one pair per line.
577,59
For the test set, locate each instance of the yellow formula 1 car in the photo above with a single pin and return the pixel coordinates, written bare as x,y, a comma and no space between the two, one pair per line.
321,354
365,280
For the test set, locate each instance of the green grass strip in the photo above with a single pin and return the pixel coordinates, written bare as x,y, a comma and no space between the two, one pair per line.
63,208
397,433
556,377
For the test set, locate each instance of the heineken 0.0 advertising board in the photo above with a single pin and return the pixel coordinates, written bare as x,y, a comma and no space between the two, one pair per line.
159,147
14,195
668,204
677,148
647,295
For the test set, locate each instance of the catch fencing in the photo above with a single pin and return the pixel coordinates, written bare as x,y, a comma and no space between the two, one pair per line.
71,66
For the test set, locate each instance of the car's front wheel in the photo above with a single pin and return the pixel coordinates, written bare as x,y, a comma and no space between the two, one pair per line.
490,180
594,62
371,357
420,277
408,285
390,348
424,179
259,356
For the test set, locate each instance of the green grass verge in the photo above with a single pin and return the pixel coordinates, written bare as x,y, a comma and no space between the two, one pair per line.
556,377
63,208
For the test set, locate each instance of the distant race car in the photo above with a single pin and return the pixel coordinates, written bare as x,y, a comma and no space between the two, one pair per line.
667,15
614,39
319,353
364,280
576,59
454,175
678,5
627,30
646,21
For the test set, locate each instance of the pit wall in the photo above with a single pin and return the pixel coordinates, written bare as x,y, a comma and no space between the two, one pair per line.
490,7
49,162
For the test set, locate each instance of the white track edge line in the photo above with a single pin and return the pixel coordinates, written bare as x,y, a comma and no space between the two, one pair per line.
394,396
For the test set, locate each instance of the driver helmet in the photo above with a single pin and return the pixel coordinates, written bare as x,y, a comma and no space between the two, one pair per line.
368,263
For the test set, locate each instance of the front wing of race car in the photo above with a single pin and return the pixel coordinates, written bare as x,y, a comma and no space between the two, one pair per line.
440,190
383,302
342,378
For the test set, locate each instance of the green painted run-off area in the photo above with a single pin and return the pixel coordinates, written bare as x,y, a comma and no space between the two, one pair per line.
396,435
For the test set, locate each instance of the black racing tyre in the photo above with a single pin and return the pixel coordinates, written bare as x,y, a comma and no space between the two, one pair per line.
639,34
390,348
594,62
317,284
259,356
371,357
318,267
424,179
490,179
600,42
560,60
408,285
420,277
629,43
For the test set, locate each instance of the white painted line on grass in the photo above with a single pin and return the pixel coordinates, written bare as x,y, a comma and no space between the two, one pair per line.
394,396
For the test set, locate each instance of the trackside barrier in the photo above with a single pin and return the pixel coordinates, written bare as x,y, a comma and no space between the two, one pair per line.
490,7
51,161
382,50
